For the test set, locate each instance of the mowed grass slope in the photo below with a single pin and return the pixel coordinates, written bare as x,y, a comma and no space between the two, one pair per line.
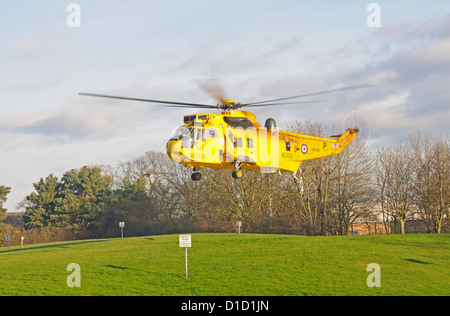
232,264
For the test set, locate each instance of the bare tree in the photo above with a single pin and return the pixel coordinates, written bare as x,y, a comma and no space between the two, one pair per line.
153,173
394,180
353,192
431,159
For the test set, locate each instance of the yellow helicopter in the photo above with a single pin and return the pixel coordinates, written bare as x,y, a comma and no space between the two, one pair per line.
234,140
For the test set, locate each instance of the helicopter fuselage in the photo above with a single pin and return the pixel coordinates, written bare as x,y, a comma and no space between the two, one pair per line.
234,140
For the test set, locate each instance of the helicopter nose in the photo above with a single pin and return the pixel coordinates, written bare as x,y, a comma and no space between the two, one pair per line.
173,150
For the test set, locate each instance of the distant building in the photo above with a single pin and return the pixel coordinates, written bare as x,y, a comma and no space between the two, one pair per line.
393,227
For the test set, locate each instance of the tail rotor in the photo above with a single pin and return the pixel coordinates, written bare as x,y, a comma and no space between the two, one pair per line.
360,123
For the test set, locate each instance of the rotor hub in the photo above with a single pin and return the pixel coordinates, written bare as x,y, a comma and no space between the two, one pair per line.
229,105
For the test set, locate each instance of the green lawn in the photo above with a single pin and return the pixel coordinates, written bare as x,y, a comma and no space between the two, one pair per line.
232,264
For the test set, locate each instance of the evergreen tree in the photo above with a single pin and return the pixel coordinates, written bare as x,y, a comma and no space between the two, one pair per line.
42,203
83,195
4,191
74,201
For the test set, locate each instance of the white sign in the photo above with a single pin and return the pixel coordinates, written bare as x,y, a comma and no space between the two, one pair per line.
121,224
8,237
185,240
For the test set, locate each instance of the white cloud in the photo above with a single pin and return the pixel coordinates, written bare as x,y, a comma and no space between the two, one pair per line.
437,53
32,47
389,114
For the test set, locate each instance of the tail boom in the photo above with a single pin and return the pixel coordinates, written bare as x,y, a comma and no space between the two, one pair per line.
317,147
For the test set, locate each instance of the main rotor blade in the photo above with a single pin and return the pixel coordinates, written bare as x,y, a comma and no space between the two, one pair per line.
283,103
315,93
172,103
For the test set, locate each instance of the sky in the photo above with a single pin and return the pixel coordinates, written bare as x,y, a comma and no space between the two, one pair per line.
166,49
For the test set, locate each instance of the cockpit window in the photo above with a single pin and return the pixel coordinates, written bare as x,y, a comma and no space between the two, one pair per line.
181,132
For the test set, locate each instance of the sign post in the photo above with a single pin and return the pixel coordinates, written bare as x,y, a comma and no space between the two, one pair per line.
8,238
185,241
121,225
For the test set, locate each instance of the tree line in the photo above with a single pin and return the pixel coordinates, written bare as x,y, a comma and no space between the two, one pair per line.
154,195
4,191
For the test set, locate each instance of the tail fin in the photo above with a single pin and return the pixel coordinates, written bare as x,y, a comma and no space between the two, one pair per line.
344,140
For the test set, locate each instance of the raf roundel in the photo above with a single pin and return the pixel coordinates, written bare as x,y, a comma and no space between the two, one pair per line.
304,149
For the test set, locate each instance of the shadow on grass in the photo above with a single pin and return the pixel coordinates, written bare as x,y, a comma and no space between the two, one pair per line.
417,261
118,267
65,244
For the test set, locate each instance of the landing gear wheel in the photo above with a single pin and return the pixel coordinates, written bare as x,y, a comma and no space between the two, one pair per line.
237,174
196,176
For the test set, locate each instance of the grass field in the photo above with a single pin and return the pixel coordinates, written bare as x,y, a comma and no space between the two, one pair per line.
232,264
